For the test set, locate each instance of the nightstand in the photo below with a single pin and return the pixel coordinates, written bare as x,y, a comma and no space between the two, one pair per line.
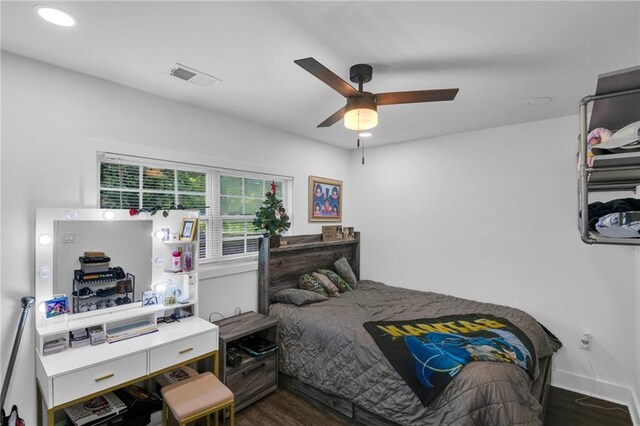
256,376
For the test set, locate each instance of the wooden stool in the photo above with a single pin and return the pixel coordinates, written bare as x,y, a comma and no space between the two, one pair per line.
197,397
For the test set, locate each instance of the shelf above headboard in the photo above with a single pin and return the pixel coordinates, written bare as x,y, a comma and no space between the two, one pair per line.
279,268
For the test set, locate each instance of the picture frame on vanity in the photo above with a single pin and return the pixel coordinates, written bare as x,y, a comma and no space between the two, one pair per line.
325,199
188,229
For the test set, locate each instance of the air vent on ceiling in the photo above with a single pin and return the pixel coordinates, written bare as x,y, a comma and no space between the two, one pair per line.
193,76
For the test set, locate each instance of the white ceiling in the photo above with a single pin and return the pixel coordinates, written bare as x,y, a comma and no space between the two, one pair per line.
498,53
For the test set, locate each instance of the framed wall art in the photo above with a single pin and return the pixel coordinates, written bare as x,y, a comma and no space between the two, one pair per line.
325,199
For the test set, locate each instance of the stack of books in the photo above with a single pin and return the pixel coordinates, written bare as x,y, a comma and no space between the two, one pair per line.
79,338
127,331
94,267
96,410
94,262
54,346
96,334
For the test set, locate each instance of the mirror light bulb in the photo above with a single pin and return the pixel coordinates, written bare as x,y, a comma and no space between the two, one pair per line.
45,239
41,307
160,287
159,234
44,273
108,215
159,261
143,215
71,215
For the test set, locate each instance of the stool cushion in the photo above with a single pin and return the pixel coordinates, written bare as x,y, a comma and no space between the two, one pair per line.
195,395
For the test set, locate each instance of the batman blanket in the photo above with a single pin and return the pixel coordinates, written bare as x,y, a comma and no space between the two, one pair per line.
428,352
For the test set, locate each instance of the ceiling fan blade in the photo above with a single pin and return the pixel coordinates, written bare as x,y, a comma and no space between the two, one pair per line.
394,98
327,76
335,117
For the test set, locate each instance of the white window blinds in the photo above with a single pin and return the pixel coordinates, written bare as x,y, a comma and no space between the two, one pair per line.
227,199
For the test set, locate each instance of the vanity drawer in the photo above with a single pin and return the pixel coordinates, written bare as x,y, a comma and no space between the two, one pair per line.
181,351
94,379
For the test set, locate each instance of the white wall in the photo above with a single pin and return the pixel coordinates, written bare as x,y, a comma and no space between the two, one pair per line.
491,215
54,118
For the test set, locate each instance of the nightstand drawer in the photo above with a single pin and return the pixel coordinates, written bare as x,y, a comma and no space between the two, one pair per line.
182,350
94,379
253,379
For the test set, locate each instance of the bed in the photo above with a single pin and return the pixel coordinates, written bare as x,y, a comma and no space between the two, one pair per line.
326,354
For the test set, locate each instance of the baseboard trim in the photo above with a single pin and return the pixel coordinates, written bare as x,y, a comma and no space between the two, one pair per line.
602,389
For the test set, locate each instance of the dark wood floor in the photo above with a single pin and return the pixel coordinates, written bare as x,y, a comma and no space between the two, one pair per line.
563,410
284,408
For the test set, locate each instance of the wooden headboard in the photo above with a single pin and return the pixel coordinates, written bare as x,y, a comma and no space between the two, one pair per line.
280,268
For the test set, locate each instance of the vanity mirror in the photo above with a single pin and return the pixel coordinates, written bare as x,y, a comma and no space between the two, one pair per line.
97,264
105,260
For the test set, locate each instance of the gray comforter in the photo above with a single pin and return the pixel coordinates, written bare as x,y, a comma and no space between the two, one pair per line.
326,346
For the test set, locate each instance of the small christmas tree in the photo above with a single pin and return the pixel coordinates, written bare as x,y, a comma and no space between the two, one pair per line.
271,216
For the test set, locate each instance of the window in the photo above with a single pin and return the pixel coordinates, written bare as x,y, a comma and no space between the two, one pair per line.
227,199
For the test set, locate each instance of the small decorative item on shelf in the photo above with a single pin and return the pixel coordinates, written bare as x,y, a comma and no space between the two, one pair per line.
348,233
272,217
189,229
56,306
331,233
187,259
176,260
172,292
151,297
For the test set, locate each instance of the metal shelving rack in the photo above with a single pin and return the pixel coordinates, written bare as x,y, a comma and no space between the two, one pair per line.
615,104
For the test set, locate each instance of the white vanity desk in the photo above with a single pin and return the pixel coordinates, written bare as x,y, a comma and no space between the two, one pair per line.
76,374
73,375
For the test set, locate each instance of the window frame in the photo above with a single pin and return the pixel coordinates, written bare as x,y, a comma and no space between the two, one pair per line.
214,233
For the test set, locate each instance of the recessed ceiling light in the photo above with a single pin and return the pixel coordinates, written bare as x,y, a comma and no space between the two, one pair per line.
55,15
365,135
539,101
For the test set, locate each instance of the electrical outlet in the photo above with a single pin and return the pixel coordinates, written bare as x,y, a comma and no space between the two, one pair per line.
585,341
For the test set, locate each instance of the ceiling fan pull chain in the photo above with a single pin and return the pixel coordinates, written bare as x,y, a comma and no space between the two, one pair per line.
359,130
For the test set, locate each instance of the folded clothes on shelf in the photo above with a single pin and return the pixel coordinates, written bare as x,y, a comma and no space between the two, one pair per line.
624,140
600,209
620,225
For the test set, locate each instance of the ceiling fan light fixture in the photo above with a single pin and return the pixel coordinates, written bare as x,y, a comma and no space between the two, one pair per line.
361,113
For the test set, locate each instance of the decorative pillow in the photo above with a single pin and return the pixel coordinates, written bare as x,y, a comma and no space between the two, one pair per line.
337,280
328,285
298,297
344,270
308,282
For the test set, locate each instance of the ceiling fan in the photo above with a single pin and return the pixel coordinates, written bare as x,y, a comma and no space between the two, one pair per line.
361,110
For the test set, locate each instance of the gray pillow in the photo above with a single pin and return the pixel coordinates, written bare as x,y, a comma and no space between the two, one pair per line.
298,297
344,270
